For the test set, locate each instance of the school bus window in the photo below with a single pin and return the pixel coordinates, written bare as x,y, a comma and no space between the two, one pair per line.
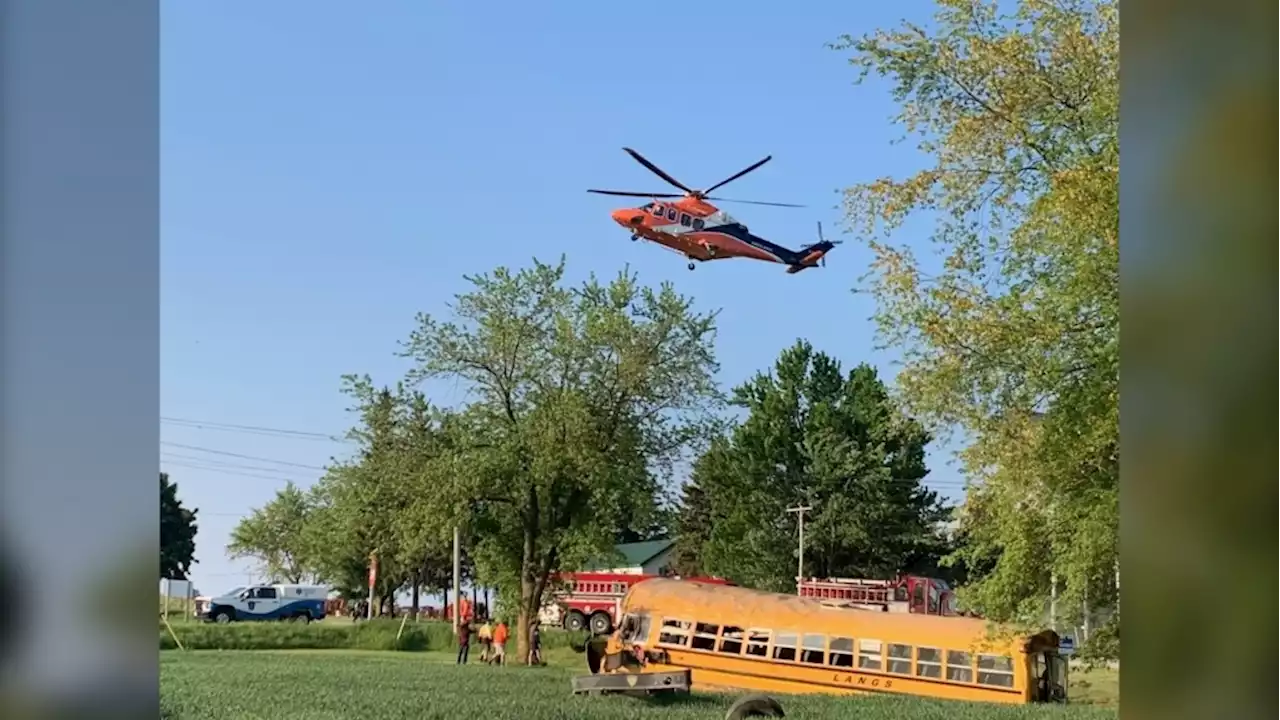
869,655
784,646
995,670
900,659
841,652
685,220
698,224
674,632
731,640
959,666
758,643
813,649
704,636
928,662
635,628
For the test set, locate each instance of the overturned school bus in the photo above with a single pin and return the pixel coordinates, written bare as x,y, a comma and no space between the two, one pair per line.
680,635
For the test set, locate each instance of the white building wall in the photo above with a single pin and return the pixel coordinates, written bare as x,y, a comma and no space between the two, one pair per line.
633,570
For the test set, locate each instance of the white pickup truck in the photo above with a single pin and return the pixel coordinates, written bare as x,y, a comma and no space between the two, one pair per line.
302,603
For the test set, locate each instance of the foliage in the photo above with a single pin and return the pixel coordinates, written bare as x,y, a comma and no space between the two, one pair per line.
365,503
832,441
332,634
693,520
583,399
177,532
1103,643
279,537
1014,336
329,686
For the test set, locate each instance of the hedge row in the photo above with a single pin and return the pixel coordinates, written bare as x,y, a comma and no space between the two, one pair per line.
336,634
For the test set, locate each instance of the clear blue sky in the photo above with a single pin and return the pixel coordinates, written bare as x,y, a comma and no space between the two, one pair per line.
328,172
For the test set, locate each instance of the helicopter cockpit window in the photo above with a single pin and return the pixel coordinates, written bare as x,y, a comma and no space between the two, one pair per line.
654,208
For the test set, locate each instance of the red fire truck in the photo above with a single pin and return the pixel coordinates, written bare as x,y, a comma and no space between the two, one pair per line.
590,600
905,594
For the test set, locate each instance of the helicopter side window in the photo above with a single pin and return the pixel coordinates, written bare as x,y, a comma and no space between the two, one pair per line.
671,214
656,209
698,224
685,220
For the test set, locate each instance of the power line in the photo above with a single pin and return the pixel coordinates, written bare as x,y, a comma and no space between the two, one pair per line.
220,463
222,471
212,451
252,429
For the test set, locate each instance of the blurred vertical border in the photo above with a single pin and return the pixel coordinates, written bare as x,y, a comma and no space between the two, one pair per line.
1198,297
79,218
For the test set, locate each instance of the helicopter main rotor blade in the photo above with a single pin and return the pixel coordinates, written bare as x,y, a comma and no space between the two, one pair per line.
657,170
731,178
625,193
757,202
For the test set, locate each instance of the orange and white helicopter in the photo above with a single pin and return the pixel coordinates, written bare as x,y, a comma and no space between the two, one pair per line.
693,227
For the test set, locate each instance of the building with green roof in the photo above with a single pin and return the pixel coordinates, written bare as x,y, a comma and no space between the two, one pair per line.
652,557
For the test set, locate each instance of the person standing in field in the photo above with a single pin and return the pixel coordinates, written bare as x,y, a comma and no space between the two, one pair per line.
464,642
486,640
499,644
535,643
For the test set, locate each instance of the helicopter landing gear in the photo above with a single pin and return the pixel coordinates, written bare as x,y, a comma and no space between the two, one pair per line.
634,237
692,266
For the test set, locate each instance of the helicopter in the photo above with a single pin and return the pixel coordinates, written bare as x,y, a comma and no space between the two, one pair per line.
690,225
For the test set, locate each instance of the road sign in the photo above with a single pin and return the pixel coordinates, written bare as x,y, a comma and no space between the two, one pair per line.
1066,645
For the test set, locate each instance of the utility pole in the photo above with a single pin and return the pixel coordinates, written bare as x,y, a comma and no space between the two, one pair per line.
800,510
457,580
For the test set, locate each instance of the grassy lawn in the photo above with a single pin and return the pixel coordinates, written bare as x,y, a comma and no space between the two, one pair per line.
333,684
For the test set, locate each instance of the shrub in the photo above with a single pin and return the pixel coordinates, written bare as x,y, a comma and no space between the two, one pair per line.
336,634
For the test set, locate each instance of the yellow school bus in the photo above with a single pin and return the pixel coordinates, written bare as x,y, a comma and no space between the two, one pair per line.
731,637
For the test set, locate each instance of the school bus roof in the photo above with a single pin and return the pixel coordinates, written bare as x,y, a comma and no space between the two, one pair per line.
749,608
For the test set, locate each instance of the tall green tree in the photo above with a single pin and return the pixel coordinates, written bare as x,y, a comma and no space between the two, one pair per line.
278,536
177,532
584,397
361,502
692,523
832,441
1014,336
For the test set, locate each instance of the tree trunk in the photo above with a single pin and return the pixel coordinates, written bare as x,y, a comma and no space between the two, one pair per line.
414,598
528,559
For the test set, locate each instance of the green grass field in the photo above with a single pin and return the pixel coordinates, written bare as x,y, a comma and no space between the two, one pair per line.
347,684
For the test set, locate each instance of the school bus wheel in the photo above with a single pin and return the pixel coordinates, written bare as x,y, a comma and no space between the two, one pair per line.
754,706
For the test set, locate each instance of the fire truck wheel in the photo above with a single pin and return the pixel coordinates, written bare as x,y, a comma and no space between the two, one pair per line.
601,624
575,621
754,706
